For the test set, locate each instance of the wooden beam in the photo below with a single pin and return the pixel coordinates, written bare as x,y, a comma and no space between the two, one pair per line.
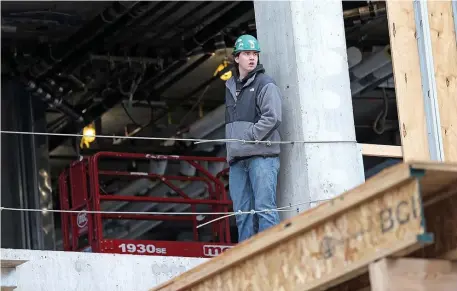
441,219
408,83
379,150
333,242
444,50
413,274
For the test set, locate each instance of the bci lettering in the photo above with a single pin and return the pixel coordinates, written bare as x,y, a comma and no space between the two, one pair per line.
401,213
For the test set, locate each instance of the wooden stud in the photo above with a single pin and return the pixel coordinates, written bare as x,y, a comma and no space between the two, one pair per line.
443,42
378,150
408,83
413,274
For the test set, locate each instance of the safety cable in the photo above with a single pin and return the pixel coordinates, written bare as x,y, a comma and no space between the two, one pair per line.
225,214
195,140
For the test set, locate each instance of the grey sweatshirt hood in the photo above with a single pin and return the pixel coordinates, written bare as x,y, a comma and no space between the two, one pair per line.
258,69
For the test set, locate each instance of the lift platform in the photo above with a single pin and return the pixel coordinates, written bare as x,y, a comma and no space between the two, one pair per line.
81,192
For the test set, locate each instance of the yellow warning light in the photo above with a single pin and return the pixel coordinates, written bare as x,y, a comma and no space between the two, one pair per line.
225,76
88,136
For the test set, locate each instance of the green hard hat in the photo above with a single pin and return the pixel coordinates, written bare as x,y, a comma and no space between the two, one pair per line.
246,42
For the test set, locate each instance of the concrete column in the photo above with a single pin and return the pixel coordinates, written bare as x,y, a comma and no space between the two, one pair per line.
304,49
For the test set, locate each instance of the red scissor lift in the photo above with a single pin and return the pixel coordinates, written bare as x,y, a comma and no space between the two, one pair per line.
80,191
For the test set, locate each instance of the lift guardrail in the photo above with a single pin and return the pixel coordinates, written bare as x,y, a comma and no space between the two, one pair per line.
80,191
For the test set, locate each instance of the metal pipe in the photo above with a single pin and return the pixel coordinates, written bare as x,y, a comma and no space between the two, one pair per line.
9,28
126,59
366,11
182,74
170,69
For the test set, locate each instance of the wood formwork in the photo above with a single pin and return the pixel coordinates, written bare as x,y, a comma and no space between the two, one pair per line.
385,230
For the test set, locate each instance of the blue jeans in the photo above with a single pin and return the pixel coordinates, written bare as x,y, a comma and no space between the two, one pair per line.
252,185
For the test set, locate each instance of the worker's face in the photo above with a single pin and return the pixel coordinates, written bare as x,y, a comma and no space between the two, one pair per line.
247,60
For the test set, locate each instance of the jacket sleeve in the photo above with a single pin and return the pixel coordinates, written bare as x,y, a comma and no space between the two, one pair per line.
270,104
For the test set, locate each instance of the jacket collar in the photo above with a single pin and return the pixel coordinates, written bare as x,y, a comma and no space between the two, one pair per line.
231,83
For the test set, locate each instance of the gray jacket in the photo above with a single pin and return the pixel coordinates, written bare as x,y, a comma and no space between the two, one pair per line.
255,114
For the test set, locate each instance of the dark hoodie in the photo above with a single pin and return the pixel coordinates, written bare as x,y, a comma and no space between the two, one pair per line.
252,114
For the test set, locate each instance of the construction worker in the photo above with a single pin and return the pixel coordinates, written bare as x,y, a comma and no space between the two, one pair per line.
253,113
